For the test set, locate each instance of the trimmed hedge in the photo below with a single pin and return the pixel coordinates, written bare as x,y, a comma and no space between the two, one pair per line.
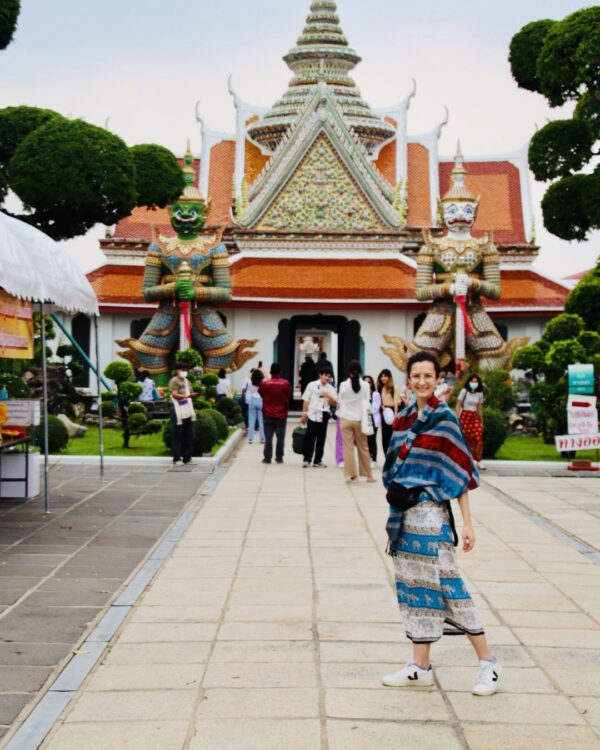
58,437
206,433
220,423
494,431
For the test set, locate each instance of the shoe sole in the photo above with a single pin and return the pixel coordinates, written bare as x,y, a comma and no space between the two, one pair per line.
483,693
413,684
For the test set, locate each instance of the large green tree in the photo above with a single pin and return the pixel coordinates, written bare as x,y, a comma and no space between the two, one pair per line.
561,61
71,175
9,13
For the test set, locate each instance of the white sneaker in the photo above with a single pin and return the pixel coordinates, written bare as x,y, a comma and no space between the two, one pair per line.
305,464
320,465
488,678
410,676
178,463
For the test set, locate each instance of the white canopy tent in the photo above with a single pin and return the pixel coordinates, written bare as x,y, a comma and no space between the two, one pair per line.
35,267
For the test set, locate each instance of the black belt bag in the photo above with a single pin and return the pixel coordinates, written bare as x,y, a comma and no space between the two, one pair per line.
401,497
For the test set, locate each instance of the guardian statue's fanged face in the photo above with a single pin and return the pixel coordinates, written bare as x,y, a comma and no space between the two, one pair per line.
187,217
459,216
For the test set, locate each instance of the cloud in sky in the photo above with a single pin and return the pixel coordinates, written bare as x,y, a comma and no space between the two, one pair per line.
144,63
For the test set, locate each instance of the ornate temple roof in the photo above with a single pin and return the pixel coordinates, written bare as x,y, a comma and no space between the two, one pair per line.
321,53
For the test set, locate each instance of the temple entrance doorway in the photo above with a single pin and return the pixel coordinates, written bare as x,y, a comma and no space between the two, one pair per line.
303,335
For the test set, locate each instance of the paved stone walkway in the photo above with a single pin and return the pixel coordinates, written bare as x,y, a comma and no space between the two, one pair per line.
58,571
272,623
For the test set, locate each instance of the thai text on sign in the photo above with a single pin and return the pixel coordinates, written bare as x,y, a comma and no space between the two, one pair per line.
566,443
582,415
16,327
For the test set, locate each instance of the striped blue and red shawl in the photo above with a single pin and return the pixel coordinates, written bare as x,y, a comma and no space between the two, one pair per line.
430,452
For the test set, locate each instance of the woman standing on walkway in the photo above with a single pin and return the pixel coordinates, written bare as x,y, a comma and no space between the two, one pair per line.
390,401
224,385
469,410
255,405
353,400
375,408
428,465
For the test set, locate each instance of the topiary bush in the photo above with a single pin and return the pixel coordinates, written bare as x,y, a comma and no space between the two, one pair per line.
136,407
200,404
230,410
206,433
209,378
494,431
108,409
58,437
499,392
220,423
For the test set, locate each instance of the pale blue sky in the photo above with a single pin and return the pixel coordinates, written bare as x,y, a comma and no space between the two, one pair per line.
144,63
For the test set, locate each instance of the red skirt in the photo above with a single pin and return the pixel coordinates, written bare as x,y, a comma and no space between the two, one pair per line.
472,428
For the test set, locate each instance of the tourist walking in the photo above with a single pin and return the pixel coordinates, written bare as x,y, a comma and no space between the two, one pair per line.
353,402
317,400
428,466
390,401
469,410
276,394
224,385
183,416
375,407
308,372
255,406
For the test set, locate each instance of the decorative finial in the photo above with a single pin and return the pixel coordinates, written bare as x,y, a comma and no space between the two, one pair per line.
458,190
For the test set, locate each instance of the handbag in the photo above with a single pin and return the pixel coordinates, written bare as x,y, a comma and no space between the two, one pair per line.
388,415
366,422
298,437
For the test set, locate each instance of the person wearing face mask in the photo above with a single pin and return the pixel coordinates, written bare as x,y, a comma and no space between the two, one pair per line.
469,410
182,415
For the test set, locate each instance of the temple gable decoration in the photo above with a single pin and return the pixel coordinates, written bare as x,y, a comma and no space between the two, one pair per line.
321,179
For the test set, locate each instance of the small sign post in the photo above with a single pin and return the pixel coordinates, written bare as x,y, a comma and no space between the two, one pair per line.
582,416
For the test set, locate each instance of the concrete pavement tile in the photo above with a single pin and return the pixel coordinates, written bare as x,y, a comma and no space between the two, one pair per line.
133,735
576,681
177,597
571,657
361,651
145,677
512,708
266,631
268,613
550,620
158,653
260,703
11,705
514,679
514,737
142,632
567,638
389,735
385,704
257,734
449,654
133,705
268,573
175,614
23,679
590,708
503,602
360,631
259,674
356,674
273,595
292,652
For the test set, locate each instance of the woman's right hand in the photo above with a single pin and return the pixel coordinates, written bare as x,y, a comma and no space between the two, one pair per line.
303,419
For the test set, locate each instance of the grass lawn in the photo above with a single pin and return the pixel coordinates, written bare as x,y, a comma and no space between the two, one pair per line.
523,448
143,445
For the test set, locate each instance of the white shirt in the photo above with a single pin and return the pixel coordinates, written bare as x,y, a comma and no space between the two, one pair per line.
314,395
470,400
223,387
350,404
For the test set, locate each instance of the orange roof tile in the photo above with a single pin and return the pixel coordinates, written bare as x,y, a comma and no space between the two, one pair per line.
220,182
419,189
357,280
255,161
528,289
386,162
500,208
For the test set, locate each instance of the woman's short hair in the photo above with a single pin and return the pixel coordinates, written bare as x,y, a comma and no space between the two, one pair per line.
423,357
222,373
475,376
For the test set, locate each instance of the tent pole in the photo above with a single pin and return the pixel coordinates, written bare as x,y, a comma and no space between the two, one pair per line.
45,408
100,426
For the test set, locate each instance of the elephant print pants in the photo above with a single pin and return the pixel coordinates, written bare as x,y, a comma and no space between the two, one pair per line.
432,596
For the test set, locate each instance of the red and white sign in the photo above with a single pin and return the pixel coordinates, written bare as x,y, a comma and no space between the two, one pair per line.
582,415
566,443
